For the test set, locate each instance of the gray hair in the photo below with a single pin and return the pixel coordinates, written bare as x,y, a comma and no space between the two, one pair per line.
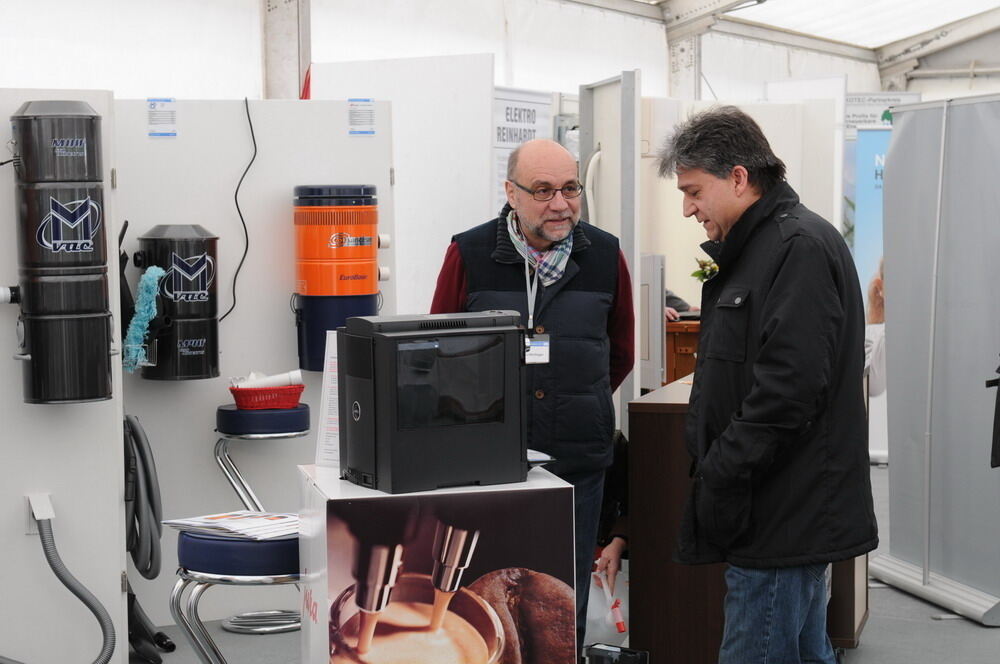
716,141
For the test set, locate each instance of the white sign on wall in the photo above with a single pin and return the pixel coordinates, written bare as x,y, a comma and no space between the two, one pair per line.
161,117
872,109
361,117
518,116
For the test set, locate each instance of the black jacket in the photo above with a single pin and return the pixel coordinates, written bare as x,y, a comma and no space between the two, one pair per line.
570,412
777,425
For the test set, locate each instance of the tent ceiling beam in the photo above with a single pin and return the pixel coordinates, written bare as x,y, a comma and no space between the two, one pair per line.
690,17
897,55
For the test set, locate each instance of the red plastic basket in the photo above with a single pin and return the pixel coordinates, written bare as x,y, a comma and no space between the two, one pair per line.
260,398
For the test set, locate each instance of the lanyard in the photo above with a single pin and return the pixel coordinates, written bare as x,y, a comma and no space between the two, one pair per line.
532,287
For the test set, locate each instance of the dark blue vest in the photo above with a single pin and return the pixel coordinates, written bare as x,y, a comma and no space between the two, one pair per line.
570,414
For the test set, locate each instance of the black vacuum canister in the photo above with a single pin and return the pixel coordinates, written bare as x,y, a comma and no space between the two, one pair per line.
65,325
184,341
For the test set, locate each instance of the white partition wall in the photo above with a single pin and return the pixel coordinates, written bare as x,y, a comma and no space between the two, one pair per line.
71,451
797,133
827,145
191,179
537,44
609,166
942,344
442,114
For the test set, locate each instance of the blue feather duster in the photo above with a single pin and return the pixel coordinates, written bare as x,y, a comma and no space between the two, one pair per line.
145,311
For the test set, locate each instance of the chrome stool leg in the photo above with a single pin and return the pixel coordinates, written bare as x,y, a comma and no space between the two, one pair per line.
184,623
235,477
199,627
277,621
189,621
254,622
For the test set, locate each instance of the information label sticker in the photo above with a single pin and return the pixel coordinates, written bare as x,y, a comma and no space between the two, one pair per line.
161,117
361,117
536,349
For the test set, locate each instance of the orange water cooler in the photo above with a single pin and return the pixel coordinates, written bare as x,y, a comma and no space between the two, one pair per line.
337,274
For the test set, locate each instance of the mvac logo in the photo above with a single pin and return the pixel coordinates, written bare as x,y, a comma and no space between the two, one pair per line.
188,279
70,228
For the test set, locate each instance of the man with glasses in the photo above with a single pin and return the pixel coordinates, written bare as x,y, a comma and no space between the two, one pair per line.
571,284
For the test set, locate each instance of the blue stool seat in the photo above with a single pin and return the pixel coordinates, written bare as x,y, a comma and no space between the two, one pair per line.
232,556
232,421
209,560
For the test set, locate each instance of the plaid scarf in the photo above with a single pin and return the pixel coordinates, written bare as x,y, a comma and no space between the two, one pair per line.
550,265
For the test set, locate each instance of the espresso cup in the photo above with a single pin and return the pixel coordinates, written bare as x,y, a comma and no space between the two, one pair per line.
417,588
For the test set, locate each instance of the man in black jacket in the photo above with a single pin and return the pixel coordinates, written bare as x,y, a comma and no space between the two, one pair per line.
776,425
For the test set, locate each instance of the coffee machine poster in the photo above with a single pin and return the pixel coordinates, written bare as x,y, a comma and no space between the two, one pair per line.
482,577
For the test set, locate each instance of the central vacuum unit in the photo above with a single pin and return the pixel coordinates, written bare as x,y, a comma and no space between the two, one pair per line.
64,330
336,231
184,341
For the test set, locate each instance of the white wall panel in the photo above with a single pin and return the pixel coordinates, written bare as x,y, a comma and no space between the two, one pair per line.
442,114
737,69
537,44
191,180
72,451
796,133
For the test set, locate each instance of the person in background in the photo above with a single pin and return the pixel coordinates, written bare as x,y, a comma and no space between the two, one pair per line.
776,423
875,333
673,304
571,284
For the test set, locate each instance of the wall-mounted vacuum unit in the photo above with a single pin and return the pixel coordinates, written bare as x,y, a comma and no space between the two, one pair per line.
184,337
336,230
64,328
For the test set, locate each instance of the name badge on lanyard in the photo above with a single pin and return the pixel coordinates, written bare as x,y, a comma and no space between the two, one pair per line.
536,347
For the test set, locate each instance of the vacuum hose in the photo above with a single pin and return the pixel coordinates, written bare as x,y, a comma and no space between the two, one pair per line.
78,589
144,514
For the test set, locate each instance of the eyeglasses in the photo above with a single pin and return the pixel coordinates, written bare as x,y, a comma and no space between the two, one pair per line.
542,194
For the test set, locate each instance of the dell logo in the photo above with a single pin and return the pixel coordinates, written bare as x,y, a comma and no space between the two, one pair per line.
356,411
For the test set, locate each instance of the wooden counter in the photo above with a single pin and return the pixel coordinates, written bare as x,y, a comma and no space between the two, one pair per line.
676,610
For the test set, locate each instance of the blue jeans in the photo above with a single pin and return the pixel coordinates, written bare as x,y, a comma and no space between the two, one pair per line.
776,616
588,492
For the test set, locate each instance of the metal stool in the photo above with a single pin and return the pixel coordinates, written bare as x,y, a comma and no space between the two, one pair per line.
207,560
234,424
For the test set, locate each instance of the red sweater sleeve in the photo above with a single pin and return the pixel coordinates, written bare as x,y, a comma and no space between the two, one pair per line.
450,293
621,327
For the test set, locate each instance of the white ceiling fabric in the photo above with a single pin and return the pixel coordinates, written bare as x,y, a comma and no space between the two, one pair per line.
869,23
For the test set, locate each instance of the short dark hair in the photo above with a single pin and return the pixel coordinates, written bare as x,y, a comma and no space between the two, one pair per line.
717,140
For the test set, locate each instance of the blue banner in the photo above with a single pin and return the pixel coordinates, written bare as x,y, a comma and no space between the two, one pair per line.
870,149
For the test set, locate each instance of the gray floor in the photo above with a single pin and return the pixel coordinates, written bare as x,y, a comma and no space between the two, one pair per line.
901,629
